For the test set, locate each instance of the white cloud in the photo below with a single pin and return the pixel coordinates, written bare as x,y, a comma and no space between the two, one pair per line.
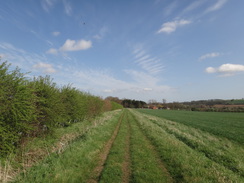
44,67
2,55
219,4
170,27
226,69
148,63
209,55
56,33
72,45
193,5
52,51
102,32
170,8
210,70
101,82
67,7
26,60
47,4
147,89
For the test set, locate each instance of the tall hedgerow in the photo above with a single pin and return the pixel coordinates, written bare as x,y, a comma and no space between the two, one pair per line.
17,108
75,103
37,106
48,105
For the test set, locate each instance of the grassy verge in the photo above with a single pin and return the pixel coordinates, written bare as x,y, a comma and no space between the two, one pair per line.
184,163
77,160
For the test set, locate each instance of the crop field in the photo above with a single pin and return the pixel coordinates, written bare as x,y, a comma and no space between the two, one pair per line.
133,146
225,124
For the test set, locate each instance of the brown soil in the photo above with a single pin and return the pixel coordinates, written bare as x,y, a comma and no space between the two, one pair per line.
104,154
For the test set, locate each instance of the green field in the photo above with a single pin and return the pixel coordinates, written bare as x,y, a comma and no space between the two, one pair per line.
132,146
225,124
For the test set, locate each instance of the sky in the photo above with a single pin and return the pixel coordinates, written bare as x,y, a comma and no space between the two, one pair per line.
178,50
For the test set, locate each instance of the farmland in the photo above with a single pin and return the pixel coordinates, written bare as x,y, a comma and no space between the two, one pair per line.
132,146
225,124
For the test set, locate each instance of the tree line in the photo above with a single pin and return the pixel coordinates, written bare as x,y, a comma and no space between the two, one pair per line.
128,103
34,107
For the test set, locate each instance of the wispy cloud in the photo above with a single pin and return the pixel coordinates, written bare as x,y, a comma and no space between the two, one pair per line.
219,4
67,7
170,27
141,84
148,63
209,55
226,69
47,4
102,32
44,67
55,33
170,8
194,5
25,60
52,51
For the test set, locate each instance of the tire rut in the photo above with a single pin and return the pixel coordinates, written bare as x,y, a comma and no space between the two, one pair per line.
126,168
155,152
105,152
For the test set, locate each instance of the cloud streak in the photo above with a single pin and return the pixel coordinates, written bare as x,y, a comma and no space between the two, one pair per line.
209,55
219,4
170,27
148,63
26,60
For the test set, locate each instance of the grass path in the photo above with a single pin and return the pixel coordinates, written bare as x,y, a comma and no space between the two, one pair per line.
132,147
104,154
131,157
146,163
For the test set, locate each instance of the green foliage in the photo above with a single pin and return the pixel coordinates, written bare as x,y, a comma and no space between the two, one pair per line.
16,107
116,106
133,103
35,107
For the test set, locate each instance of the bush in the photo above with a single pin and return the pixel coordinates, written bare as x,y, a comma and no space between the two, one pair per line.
35,107
17,108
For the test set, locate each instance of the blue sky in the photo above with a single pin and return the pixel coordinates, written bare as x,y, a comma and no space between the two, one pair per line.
178,50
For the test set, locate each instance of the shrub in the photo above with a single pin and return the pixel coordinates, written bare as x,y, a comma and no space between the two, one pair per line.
17,108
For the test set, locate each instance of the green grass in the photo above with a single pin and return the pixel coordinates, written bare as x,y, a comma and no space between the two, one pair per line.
146,148
113,170
77,162
143,163
228,125
185,163
146,164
